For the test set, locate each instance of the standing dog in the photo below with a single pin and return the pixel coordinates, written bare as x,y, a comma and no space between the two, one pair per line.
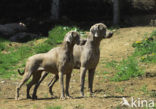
59,61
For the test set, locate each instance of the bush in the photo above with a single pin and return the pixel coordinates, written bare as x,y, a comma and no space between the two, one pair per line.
57,34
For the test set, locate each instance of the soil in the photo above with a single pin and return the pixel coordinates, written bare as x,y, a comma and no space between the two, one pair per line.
107,94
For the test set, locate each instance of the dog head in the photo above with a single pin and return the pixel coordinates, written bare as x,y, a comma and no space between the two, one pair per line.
72,37
99,30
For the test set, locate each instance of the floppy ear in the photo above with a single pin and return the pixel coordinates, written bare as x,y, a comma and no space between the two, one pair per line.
100,27
73,34
68,39
92,29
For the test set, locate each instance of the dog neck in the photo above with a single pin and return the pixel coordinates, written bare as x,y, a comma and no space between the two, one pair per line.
92,41
68,47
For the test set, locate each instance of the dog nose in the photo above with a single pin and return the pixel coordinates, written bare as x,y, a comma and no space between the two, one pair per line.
110,35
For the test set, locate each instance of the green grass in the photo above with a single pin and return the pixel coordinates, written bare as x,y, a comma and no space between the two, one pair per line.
126,69
16,56
111,64
53,107
58,33
3,43
145,51
144,89
119,89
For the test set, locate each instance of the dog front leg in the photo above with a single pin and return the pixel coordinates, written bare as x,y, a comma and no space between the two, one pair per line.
82,80
68,76
61,85
90,80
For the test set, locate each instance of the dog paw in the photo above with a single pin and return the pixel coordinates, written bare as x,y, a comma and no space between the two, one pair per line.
34,97
29,97
62,98
69,97
82,95
16,98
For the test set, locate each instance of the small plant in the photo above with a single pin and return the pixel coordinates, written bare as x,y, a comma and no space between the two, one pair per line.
111,64
153,93
53,107
120,89
144,89
127,69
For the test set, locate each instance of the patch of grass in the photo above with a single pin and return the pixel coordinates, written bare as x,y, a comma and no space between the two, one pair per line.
3,43
119,89
153,94
57,34
111,64
2,46
127,69
118,107
105,72
149,58
144,89
8,61
43,48
53,107
146,49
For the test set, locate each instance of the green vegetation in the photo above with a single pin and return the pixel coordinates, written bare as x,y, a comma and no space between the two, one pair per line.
13,56
53,107
127,69
145,51
144,89
120,89
2,44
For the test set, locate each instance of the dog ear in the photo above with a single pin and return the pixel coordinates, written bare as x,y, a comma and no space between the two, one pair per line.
73,34
68,39
92,29
100,27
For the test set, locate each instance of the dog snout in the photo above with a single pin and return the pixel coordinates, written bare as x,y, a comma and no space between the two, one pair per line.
109,34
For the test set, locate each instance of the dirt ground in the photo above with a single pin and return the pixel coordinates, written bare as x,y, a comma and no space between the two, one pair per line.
107,94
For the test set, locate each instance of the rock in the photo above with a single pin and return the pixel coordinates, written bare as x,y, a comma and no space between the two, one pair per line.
7,30
23,37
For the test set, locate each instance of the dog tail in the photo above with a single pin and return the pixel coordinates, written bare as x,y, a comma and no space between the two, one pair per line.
21,73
